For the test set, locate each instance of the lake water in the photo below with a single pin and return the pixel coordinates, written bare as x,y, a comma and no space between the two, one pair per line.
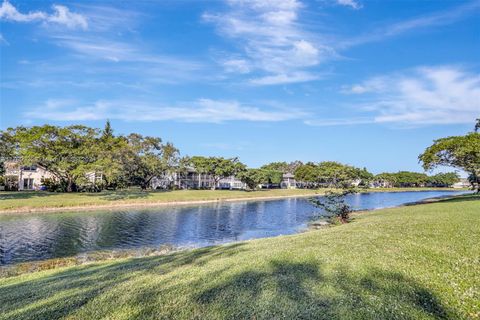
44,236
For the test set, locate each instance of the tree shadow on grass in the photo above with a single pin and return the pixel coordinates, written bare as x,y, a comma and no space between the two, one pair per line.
64,292
462,198
300,291
21,195
120,195
276,289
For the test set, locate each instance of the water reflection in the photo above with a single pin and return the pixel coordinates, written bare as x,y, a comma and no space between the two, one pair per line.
35,237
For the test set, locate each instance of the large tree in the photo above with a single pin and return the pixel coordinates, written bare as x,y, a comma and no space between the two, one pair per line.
67,152
444,179
146,157
217,167
462,152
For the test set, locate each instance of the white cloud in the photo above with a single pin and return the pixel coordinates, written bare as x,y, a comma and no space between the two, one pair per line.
349,3
425,95
236,65
273,42
10,13
202,110
337,122
284,78
61,15
67,18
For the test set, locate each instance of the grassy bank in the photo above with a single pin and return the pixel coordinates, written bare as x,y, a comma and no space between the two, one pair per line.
419,262
30,201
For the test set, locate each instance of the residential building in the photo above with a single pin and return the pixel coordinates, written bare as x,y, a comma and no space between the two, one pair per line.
288,181
462,183
25,177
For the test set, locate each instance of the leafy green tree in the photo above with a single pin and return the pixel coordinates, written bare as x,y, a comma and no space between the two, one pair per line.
407,179
462,152
251,177
146,157
307,173
335,174
444,179
217,167
113,155
67,152
334,204
386,179
276,166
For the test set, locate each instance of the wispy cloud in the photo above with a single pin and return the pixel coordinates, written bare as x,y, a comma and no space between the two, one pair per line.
275,47
61,16
434,19
3,40
349,3
202,110
422,96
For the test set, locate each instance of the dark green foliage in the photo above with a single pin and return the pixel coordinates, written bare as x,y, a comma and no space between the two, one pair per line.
462,152
333,203
217,167
255,177
332,174
444,179
84,158
408,179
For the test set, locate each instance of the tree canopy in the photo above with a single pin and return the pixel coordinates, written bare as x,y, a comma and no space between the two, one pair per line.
462,152
75,153
331,174
217,167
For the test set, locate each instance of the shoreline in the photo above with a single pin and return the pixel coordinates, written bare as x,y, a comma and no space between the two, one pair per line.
115,206
15,269
150,204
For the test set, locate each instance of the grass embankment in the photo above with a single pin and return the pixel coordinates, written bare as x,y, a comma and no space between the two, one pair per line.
414,262
32,201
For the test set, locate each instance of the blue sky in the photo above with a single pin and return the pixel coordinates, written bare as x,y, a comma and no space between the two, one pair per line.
369,83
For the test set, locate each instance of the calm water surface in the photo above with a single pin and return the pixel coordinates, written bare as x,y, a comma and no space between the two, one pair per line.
43,236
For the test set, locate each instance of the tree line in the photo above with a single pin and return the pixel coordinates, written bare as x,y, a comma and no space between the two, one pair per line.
73,154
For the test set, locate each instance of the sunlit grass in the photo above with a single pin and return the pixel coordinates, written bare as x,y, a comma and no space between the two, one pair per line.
415,262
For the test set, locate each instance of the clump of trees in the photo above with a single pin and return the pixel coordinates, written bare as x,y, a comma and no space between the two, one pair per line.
74,154
217,167
462,152
408,179
254,178
332,174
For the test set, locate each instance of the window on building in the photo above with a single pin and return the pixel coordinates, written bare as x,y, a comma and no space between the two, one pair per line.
28,184
29,168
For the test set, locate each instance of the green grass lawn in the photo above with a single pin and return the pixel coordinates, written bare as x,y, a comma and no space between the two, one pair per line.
43,199
31,200
414,262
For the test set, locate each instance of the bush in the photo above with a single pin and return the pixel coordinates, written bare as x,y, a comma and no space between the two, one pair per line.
52,185
333,203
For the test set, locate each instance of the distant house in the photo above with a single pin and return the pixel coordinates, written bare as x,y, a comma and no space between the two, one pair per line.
288,181
381,183
182,179
25,177
462,183
231,183
190,179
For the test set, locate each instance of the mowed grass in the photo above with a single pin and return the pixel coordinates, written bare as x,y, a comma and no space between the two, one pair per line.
414,262
43,199
36,200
